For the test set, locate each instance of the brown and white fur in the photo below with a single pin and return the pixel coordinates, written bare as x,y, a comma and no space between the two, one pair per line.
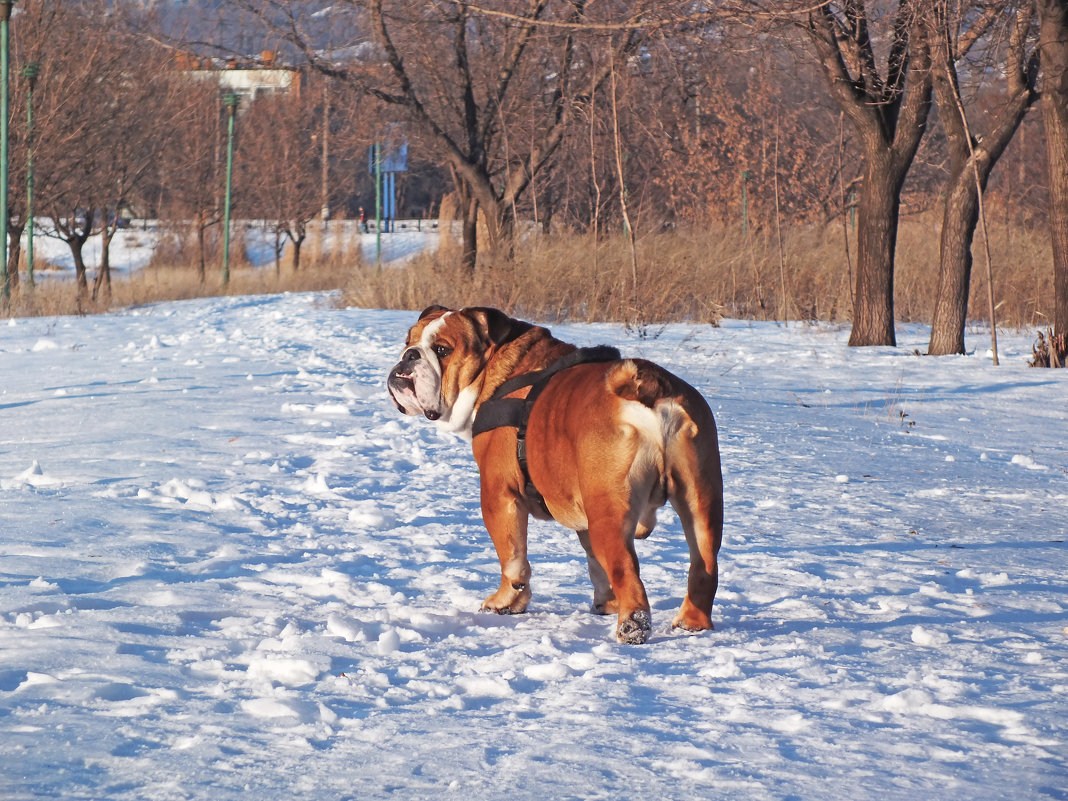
608,443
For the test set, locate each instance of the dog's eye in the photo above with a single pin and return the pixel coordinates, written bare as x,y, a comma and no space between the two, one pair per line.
441,351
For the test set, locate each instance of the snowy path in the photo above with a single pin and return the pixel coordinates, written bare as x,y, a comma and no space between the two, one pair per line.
230,569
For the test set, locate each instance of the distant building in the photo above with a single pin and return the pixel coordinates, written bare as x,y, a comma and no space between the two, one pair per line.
246,78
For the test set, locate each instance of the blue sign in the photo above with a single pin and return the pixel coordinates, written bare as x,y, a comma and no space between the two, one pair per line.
394,159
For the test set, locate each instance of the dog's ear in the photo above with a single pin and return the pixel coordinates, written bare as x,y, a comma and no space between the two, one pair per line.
430,310
499,328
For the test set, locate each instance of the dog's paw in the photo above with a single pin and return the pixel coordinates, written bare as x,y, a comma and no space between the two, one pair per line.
509,600
691,618
634,630
691,627
503,610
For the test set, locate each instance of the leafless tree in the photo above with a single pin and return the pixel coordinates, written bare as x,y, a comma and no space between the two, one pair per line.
192,163
889,109
132,138
279,165
38,35
955,30
493,87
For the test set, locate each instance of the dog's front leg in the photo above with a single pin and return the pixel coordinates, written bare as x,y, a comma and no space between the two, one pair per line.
506,521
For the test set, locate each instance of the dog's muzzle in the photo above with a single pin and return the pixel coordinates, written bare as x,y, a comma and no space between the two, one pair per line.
401,382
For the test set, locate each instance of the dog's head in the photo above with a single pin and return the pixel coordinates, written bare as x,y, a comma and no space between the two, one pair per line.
444,357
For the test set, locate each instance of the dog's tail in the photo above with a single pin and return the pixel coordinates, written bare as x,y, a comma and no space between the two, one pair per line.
639,380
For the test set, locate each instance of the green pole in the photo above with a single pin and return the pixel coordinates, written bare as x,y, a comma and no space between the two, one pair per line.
5,16
30,72
745,202
230,100
378,204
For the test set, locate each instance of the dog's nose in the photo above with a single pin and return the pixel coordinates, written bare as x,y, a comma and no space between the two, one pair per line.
411,355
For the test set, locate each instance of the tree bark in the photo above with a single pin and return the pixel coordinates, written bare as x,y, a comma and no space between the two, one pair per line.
75,244
202,259
297,241
469,234
877,220
1053,44
103,275
959,220
14,233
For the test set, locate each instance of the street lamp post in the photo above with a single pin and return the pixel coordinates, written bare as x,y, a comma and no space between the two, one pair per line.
5,17
378,204
30,72
230,101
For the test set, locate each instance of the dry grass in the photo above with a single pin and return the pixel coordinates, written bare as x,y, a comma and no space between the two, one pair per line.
696,275
58,296
707,274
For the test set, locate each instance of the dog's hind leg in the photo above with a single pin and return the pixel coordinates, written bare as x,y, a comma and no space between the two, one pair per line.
696,493
604,600
611,537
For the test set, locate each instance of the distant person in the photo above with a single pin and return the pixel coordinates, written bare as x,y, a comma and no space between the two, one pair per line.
363,220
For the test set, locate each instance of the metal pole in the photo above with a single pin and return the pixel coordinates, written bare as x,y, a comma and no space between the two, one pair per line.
378,204
5,16
230,100
30,71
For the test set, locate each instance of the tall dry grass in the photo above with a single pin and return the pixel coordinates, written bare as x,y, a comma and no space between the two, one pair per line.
693,274
703,275
59,296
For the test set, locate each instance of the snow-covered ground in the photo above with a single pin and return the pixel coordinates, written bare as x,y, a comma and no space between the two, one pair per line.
229,569
132,248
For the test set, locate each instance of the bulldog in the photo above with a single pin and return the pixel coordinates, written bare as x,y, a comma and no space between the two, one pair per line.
582,436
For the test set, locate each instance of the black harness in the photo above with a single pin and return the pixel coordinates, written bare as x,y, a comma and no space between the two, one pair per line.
499,411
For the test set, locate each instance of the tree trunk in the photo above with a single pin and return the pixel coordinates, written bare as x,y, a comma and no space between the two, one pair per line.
103,275
14,253
959,219
469,238
202,260
1053,43
297,242
503,234
880,205
75,243
971,160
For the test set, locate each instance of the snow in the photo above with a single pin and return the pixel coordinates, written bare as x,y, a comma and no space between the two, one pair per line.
133,248
230,569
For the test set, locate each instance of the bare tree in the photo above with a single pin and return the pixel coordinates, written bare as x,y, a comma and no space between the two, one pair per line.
889,111
279,165
131,140
94,141
1053,43
954,33
191,162
493,87
39,38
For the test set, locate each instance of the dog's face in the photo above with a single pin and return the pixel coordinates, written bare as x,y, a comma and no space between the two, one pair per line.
445,354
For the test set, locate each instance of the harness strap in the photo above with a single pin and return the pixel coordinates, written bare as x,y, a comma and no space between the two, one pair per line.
499,411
